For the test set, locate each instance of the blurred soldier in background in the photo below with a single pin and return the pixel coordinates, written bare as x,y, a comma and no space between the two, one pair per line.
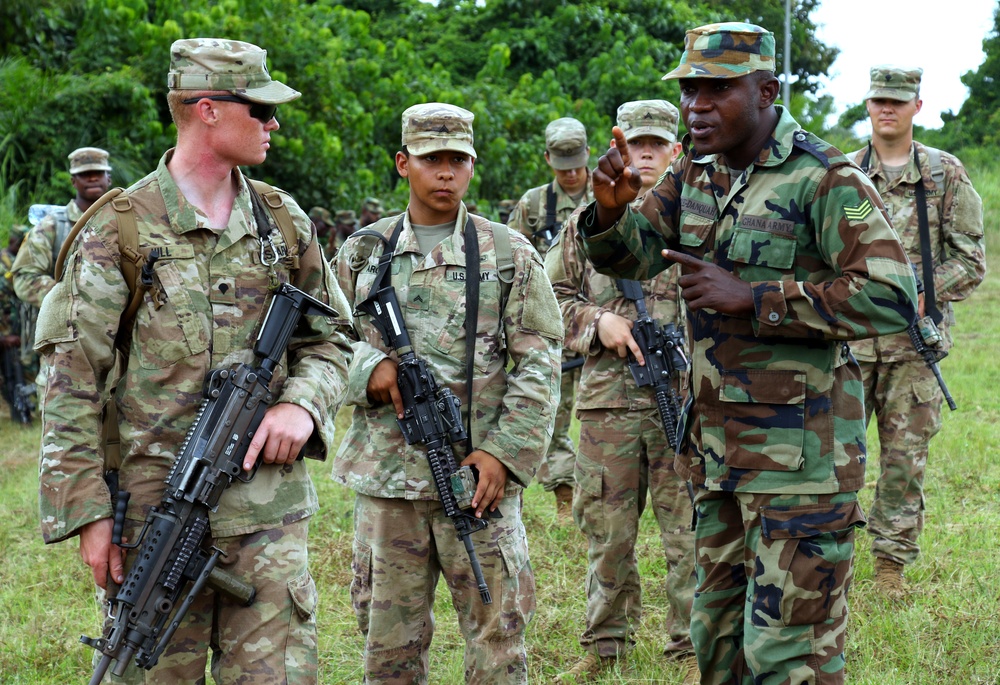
950,257
324,226
371,211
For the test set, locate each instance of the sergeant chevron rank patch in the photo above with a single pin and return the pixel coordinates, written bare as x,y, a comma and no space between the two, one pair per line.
859,213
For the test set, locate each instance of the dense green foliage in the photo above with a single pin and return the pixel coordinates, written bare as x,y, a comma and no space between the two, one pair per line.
92,72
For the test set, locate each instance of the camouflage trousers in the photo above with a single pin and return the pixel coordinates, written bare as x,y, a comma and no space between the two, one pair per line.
773,575
906,401
401,548
273,641
557,467
622,455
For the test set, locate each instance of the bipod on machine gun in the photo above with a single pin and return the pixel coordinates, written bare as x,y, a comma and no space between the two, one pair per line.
19,395
662,348
432,416
148,606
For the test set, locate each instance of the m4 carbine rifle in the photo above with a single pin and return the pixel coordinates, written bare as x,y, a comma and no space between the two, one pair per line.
19,395
926,337
431,418
662,348
171,545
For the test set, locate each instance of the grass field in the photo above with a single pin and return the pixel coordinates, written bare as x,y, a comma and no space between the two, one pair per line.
947,633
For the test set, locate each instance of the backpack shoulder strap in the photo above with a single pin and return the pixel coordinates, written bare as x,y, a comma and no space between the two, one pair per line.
505,261
78,226
937,168
276,204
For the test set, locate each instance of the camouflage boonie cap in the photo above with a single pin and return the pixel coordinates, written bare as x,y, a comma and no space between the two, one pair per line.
88,159
566,143
373,204
894,83
435,126
649,118
220,64
728,50
346,216
321,214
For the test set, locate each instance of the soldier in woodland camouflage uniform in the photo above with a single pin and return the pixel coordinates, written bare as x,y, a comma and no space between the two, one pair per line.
786,254
623,447
403,540
371,211
900,390
10,322
539,215
209,294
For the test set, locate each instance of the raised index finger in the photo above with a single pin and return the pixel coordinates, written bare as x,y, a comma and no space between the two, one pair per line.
622,145
684,259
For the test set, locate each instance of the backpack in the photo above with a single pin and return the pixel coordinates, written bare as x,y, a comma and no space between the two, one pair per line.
133,257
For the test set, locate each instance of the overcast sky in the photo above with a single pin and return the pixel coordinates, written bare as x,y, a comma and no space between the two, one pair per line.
945,39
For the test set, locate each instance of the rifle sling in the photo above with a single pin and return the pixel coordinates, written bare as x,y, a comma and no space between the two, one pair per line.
926,258
471,306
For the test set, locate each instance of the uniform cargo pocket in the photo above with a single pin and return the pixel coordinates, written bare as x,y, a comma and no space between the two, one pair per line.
361,584
804,567
763,248
588,500
763,416
173,328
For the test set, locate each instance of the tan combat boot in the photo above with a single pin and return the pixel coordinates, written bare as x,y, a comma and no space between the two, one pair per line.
564,503
889,578
586,669
692,675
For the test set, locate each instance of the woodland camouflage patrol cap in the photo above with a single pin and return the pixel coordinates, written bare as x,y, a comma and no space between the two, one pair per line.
88,159
649,118
435,126
231,65
728,50
566,143
346,216
894,83
372,204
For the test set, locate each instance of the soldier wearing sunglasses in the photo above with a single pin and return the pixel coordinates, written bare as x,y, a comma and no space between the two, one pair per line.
220,252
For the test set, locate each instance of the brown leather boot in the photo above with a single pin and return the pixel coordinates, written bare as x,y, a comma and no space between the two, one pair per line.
889,578
564,503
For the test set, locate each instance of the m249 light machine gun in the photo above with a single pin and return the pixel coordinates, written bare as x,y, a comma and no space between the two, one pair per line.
147,608
662,348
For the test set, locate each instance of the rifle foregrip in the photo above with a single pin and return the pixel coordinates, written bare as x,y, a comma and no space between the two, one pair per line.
121,507
668,416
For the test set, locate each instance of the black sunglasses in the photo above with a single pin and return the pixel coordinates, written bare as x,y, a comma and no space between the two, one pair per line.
262,113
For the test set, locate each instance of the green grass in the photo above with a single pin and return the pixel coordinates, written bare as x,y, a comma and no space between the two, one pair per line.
946,634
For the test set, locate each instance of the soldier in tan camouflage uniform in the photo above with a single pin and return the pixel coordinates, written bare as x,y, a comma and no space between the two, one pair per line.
786,254
900,390
403,540
35,264
540,214
209,294
623,447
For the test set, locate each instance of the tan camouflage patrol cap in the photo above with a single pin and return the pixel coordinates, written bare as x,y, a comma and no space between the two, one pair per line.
372,204
435,126
649,118
727,50
220,64
346,216
894,83
321,214
88,159
566,143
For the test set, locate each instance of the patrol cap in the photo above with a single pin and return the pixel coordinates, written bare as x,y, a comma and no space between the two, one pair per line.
727,50
435,126
894,83
88,159
649,118
372,204
346,216
566,143
321,214
221,64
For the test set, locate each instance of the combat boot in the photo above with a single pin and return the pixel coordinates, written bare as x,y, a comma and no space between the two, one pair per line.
564,503
889,578
586,669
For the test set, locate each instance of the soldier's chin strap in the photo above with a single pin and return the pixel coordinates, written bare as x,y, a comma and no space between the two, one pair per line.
471,299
